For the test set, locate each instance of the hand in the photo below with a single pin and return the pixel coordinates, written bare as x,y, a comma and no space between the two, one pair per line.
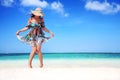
51,34
17,33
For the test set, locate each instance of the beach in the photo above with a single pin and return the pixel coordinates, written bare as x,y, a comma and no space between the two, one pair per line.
60,69
60,74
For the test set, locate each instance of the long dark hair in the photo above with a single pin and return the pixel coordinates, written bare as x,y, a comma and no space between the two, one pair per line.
32,15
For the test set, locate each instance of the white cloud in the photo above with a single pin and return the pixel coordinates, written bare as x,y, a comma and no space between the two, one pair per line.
104,7
58,7
7,3
36,3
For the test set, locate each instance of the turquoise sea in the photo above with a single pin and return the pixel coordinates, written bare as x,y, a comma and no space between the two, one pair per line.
61,60
18,56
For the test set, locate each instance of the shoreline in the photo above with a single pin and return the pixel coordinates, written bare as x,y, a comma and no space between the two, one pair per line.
63,63
61,69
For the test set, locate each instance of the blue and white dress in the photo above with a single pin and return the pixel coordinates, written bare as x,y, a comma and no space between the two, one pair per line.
36,36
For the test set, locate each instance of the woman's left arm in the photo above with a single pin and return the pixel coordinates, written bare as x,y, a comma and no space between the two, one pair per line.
46,30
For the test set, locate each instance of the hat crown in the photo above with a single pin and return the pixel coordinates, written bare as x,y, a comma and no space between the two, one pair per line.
37,12
38,9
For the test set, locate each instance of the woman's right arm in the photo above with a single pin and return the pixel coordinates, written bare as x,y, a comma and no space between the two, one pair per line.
21,30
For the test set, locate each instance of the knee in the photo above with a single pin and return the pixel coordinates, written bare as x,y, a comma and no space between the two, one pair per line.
34,50
38,50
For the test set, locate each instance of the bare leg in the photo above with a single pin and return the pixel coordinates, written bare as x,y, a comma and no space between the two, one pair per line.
31,56
40,55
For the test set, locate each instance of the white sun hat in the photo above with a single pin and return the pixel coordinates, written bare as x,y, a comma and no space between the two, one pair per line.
37,12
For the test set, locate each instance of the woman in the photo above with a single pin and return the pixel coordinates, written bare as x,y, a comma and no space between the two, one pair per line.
36,36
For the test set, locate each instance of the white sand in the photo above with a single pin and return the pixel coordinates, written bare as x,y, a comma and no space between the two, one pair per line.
59,70
60,74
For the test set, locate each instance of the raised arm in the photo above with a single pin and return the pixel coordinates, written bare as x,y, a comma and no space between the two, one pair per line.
46,30
21,30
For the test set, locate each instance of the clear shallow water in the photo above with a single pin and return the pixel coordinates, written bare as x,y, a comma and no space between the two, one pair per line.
19,56
61,60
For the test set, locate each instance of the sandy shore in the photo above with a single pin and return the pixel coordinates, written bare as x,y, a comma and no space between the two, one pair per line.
61,70
60,74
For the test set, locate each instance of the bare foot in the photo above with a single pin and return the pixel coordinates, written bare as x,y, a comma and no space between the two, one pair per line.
29,66
41,65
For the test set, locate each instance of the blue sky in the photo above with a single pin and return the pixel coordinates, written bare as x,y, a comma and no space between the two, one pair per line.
79,25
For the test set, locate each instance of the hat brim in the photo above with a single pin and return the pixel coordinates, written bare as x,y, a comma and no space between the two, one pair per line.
36,13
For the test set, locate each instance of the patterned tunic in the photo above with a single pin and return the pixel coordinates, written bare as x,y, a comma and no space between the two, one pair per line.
35,36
